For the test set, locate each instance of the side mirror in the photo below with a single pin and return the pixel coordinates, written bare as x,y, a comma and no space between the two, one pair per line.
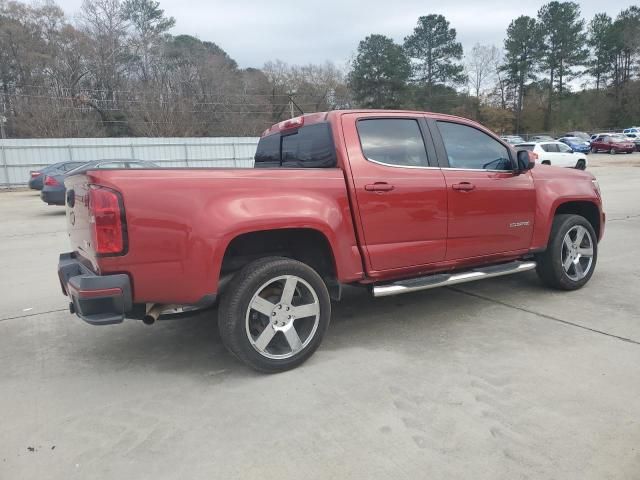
526,160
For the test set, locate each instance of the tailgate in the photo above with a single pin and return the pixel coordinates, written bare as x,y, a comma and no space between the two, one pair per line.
78,217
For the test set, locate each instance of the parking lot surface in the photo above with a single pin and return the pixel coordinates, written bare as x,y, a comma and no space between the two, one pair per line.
495,379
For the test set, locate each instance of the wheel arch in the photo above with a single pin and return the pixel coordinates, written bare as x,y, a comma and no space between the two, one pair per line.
307,245
584,208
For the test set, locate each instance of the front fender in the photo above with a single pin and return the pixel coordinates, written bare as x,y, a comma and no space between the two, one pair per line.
554,189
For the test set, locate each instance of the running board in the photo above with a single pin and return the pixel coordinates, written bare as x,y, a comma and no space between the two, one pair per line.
446,279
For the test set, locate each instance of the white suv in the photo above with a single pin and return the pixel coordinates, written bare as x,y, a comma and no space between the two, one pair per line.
555,153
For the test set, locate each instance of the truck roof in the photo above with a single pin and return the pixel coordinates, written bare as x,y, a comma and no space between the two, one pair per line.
319,117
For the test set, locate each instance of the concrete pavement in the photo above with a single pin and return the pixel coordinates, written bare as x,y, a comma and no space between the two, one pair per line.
499,379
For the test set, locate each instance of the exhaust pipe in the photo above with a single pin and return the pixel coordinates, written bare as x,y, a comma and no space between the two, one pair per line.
154,310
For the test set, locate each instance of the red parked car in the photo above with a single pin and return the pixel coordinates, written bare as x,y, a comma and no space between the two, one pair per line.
393,201
612,144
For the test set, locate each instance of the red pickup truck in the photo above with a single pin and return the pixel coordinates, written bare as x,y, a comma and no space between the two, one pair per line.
393,201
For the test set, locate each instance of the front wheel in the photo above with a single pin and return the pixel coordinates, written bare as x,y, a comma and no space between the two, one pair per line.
613,151
274,314
581,165
571,254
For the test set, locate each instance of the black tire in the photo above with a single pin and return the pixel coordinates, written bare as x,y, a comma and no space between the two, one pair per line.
581,165
546,162
234,304
594,150
612,151
549,268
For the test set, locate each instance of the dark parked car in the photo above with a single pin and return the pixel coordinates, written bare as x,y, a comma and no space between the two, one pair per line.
37,176
576,144
53,192
616,143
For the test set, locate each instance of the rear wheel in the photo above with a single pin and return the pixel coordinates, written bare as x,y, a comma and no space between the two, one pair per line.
581,165
594,150
274,314
613,151
546,162
571,255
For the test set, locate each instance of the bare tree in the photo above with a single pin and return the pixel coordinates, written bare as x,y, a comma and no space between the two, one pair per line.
481,67
104,23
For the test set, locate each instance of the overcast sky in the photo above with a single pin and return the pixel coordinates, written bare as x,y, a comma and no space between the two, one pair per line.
253,32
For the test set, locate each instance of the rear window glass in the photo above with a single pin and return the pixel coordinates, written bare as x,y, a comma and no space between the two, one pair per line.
307,147
268,152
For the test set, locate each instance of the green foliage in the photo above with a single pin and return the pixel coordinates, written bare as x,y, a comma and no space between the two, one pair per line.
434,51
600,40
147,18
522,53
563,47
564,41
379,73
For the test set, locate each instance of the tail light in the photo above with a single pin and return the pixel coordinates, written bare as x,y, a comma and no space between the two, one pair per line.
533,155
35,174
51,181
107,220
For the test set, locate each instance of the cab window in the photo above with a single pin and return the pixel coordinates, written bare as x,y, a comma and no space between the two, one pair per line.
393,141
470,148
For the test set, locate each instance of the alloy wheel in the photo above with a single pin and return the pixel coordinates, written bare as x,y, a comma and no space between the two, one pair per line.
282,317
577,253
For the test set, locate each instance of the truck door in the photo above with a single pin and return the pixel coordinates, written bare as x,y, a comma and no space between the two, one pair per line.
400,191
491,207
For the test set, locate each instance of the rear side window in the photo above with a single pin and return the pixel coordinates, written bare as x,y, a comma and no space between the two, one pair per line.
549,147
67,167
111,165
139,165
307,147
469,148
393,141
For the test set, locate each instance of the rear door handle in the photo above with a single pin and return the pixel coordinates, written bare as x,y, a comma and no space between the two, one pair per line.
463,186
379,187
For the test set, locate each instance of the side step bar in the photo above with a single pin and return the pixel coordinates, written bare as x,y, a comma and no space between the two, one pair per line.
445,279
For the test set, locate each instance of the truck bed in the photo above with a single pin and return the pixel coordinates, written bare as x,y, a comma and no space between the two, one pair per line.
182,220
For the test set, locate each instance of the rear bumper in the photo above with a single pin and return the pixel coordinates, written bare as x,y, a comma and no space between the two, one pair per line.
35,183
53,197
96,299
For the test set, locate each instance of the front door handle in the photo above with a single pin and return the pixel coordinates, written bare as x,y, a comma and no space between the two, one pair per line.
463,186
379,187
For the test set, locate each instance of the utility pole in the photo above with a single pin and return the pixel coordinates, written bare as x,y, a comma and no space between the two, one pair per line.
3,120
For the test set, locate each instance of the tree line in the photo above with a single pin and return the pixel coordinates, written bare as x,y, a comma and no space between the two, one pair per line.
554,73
116,70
